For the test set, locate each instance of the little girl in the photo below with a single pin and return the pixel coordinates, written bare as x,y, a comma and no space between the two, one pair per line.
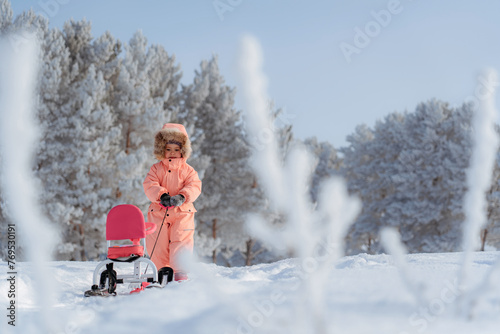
171,182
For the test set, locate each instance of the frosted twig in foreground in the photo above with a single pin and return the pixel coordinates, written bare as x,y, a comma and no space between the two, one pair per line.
485,146
287,187
254,86
18,139
392,244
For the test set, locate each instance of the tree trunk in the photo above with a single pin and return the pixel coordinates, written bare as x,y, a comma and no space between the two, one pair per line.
248,255
214,235
127,142
83,257
484,234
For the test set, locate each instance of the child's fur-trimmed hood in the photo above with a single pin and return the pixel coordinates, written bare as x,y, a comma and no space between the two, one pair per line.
172,132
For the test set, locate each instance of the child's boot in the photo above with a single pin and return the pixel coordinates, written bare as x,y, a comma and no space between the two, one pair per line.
165,275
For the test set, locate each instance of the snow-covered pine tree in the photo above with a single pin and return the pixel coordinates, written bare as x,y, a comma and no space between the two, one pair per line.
328,164
145,98
490,235
6,15
410,173
54,79
229,188
358,158
430,177
255,250
4,221
81,137
97,138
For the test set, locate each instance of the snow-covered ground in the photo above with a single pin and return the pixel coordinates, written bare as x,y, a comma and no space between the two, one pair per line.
364,294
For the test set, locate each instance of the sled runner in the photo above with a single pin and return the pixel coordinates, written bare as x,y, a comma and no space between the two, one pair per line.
126,222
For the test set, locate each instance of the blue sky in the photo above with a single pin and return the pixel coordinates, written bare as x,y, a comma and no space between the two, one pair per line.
416,49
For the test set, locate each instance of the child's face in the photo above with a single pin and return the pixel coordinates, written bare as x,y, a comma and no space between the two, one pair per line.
173,151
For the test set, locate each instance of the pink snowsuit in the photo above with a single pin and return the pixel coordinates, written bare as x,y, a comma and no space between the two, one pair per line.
171,176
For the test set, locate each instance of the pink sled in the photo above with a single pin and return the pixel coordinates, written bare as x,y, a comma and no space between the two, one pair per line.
125,222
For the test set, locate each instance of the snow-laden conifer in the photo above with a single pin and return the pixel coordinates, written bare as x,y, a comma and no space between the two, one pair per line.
229,186
80,137
143,100
410,173
328,164
6,14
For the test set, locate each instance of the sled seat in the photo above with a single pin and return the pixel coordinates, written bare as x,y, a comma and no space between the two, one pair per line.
126,222
125,252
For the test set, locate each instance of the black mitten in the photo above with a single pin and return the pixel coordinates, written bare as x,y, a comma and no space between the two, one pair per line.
165,200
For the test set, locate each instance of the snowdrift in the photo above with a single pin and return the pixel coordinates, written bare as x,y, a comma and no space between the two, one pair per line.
365,295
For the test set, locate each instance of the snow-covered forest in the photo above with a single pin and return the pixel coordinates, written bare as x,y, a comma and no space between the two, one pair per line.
306,237
100,101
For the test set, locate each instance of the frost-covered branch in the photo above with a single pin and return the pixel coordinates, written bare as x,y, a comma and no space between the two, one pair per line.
18,138
392,243
287,188
485,146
